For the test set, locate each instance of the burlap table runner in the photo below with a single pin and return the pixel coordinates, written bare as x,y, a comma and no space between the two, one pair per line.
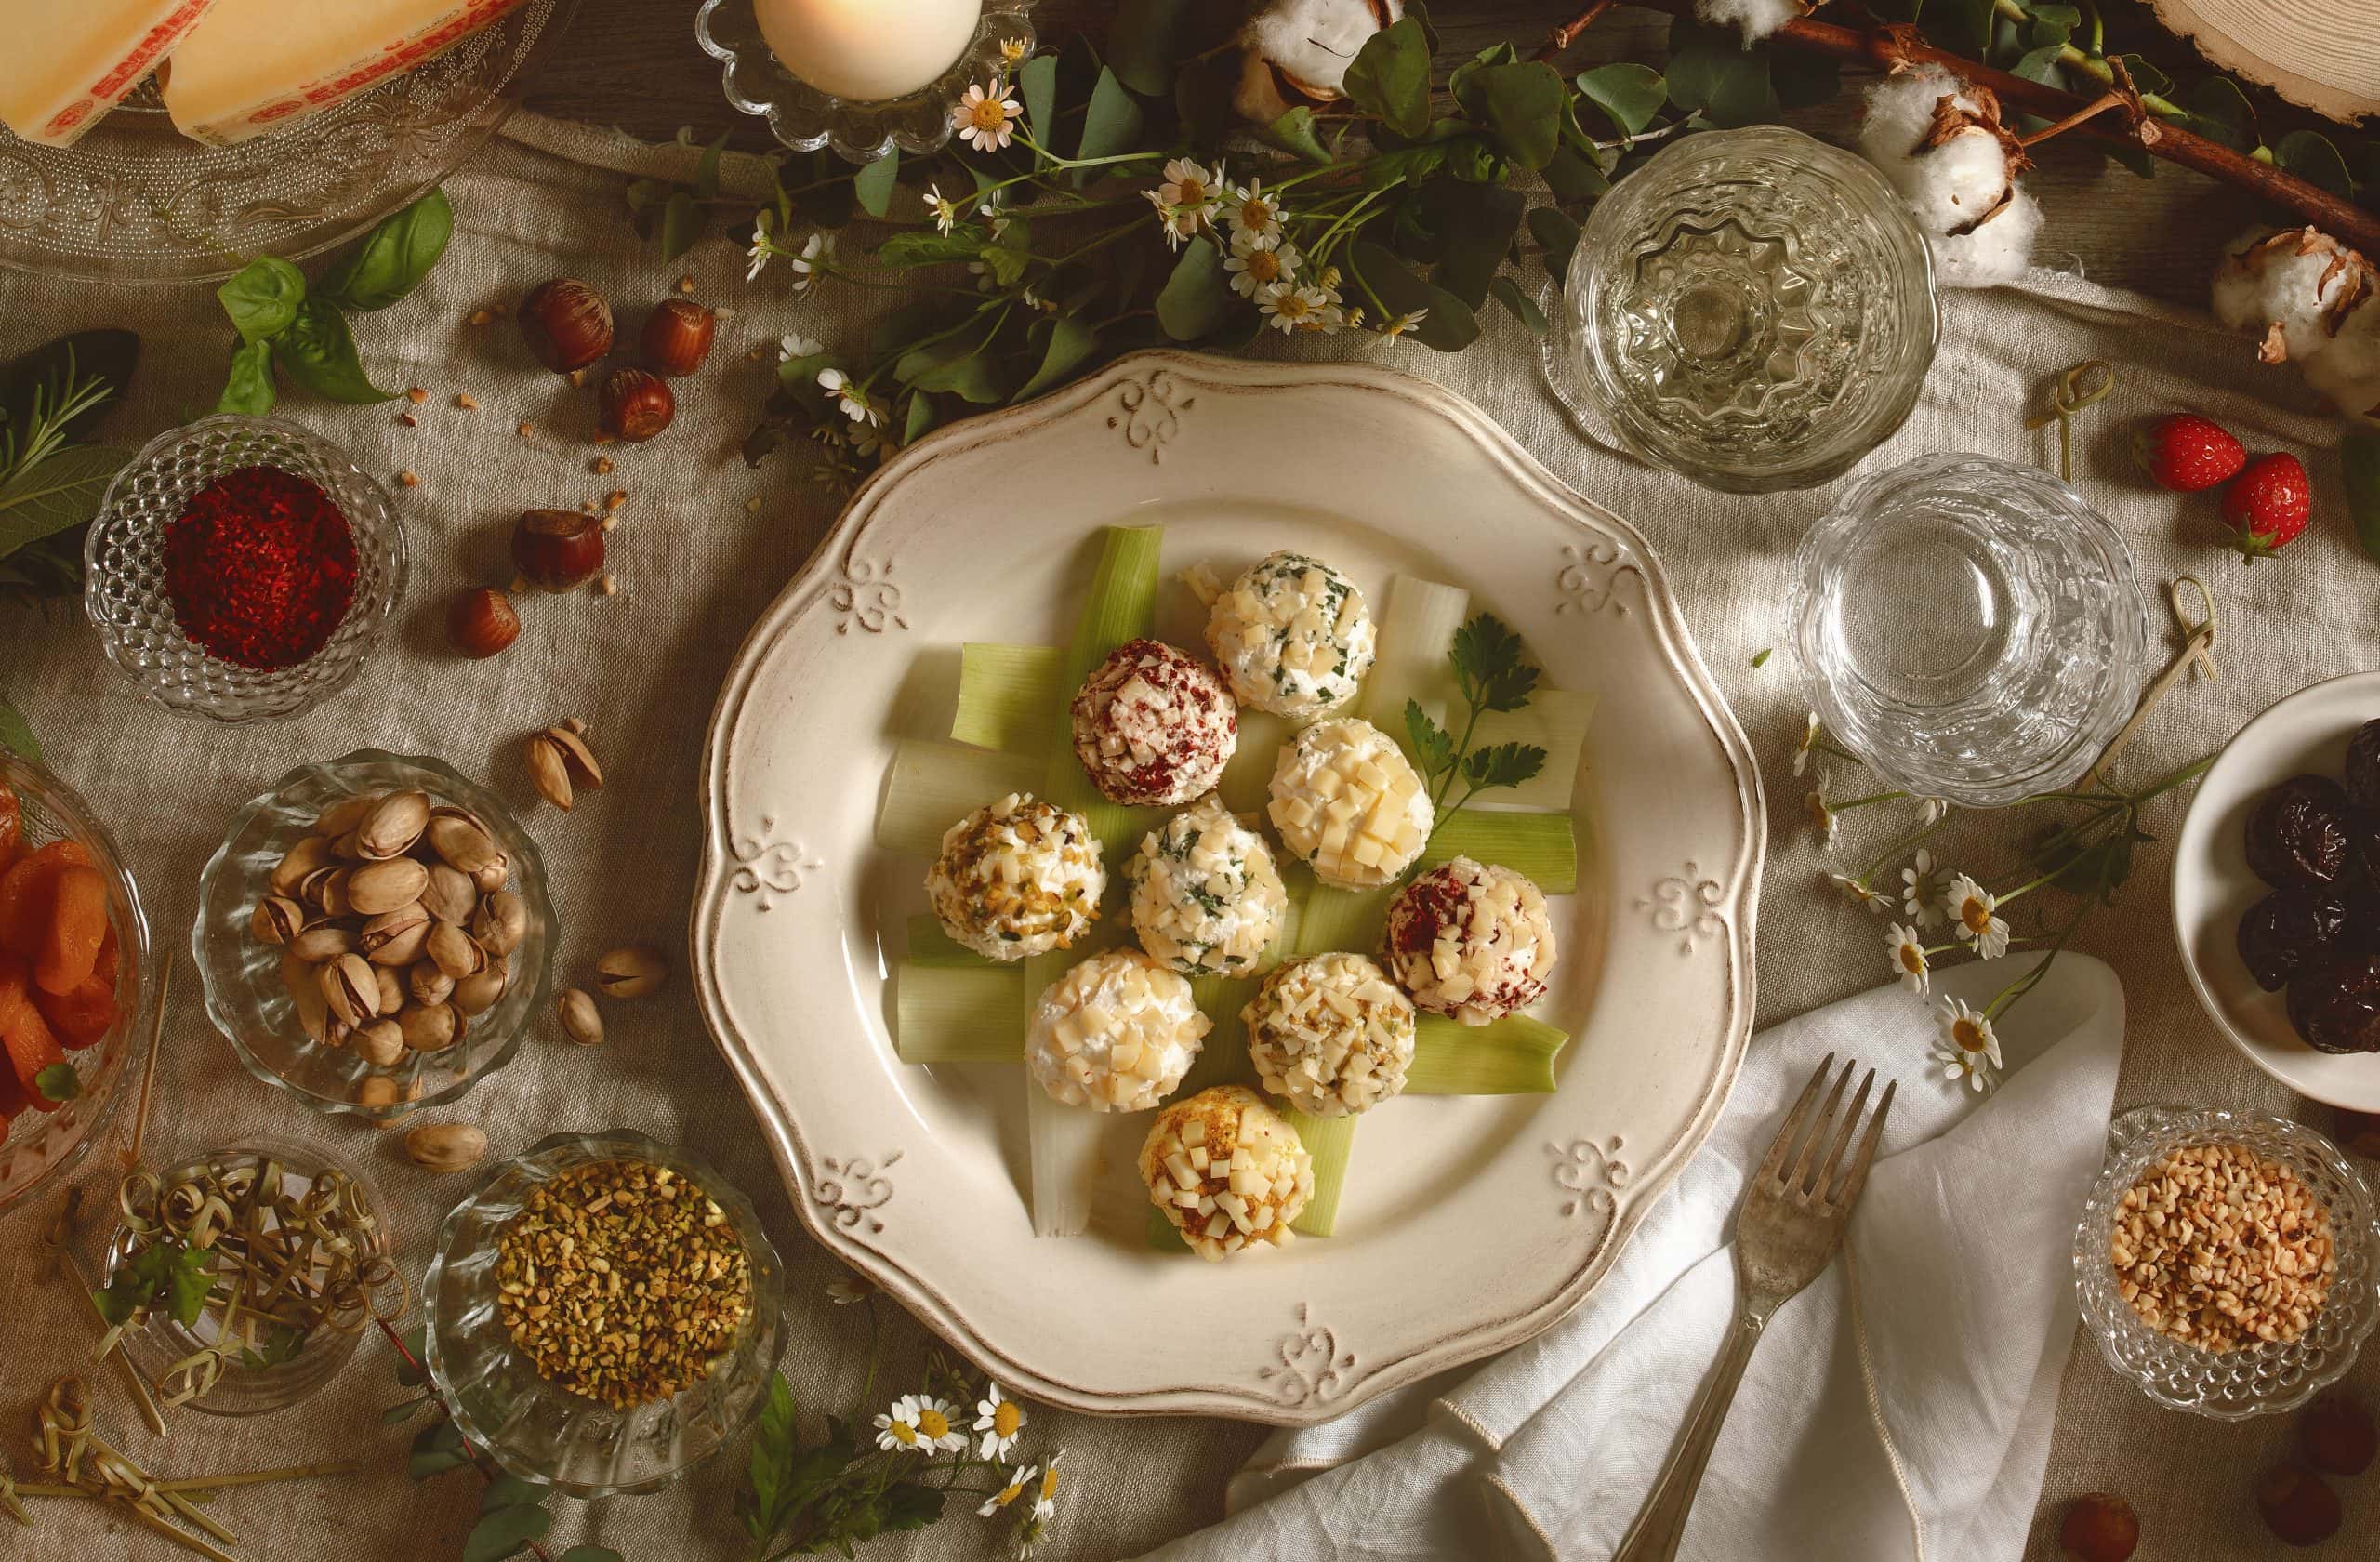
697,568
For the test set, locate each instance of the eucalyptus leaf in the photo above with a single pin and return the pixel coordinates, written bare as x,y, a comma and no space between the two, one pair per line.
107,355
1390,76
319,352
1712,73
55,494
958,366
707,168
504,1531
2312,157
416,1341
2151,79
1406,165
1144,44
392,258
1523,308
16,734
1963,27
1450,326
912,1505
262,297
1071,342
921,419
403,1410
1293,133
2359,462
1111,124
1459,80
2220,111
1477,223
682,224
874,185
1522,103
923,247
1196,297
438,1449
1557,234
510,1491
1036,87
1573,177
249,391
1630,93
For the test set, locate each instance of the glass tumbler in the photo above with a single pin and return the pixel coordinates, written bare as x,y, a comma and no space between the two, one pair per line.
1971,628
1753,309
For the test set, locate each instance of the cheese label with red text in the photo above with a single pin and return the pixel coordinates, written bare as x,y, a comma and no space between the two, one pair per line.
65,65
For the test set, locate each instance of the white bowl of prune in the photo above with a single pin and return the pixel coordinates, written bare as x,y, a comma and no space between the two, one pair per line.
2277,891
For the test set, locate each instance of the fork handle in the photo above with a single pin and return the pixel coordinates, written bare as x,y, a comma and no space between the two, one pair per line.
1661,1526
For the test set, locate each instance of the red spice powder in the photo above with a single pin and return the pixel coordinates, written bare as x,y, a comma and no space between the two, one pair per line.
260,568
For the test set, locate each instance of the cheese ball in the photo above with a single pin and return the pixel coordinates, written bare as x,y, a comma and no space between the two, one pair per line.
1153,726
1346,800
1472,941
1293,635
1227,1170
1331,1034
1206,897
1016,878
1116,1032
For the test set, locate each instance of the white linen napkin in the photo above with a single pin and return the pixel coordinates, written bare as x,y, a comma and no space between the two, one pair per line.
1899,1408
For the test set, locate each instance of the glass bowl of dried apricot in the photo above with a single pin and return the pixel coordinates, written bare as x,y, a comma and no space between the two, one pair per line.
74,975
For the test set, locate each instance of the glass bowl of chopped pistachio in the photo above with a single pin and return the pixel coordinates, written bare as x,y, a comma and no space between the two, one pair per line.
603,1312
2226,1262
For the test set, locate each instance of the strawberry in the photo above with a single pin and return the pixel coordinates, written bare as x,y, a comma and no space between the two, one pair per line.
2267,505
2186,453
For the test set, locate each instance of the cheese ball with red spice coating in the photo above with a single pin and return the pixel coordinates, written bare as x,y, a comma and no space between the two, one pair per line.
1471,941
1153,726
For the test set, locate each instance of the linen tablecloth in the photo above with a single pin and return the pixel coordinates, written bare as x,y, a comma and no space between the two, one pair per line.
697,568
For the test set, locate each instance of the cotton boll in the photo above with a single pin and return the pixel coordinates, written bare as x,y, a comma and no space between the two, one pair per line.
2347,368
1996,251
1755,19
1312,42
1939,142
2288,287
1956,184
1900,111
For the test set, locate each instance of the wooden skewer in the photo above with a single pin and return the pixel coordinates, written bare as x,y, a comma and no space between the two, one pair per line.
149,1070
62,1254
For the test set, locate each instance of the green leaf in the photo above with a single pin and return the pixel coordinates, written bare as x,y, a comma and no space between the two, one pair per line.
319,352
1486,660
958,366
2360,460
1196,297
59,1082
1036,86
771,1463
925,247
1478,223
1111,124
921,419
249,389
1450,326
1963,27
1760,657
874,185
1433,746
1459,80
510,1491
55,494
682,224
1557,234
1523,104
1630,93
1071,342
1574,177
190,1272
262,297
1803,81
416,1340
2220,111
16,734
1524,308
1502,765
911,1505
1144,44
2150,78
1294,134
1406,165
47,371
499,1534
1712,73
2312,157
392,258
438,1449
707,168
402,1411
1390,76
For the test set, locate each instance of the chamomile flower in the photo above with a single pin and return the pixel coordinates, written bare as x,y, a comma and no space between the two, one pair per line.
1179,224
944,211
935,1432
1401,324
1969,1050
994,198
1045,1505
986,118
1190,187
1920,897
1809,740
759,254
1931,811
793,345
850,394
1859,890
1974,918
1014,50
1908,959
1814,804
896,1429
1257,262
845,1290
1255,212
1292,307
815,257
1017,1481
1000,1419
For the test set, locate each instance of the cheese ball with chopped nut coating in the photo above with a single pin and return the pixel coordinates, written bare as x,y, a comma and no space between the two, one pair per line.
1293,635
1206,898
1116,1032
1153,726
1470,940
1016,878
1346,800
1228,1171
1331,1034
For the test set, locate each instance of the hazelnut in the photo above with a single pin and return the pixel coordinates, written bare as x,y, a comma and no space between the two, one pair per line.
677,337
480,622
2339,1435
566,323
557,549
2099,1528
2360,1131
635,405
2298,1505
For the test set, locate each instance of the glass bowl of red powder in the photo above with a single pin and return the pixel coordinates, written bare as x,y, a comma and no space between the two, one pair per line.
242,568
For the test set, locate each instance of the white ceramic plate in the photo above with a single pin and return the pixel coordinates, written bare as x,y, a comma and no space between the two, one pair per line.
2211,885
1469,1223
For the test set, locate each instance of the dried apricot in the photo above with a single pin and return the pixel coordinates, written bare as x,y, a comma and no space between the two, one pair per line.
12,825
81,1017
16,986
78,925
108,967
26,891
13,1098
32,1048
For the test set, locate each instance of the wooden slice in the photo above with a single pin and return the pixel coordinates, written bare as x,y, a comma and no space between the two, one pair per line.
2323,55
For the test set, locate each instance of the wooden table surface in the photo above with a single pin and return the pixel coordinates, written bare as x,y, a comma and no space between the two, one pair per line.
634,64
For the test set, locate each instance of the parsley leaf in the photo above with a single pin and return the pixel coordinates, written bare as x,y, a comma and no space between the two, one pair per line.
1488,665
1505,765
191,1272
59,1082
1433,744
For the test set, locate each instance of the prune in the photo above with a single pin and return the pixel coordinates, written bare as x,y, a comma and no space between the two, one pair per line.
2363,766
2290,931
2336,1007
2297,837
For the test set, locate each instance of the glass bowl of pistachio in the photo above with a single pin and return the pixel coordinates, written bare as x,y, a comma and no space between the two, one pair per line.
603,1313
373,934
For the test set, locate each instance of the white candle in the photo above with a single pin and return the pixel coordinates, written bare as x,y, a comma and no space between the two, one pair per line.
869,50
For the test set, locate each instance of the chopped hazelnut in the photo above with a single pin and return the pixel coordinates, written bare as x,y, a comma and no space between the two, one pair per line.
615,499
417,395
467,401
686,283
410,479
526,430
409,421
601,466
752,505
607,586
481,317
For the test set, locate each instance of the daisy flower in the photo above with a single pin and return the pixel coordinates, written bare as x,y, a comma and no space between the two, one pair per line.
815,257
897,1427
1973,915
1017,1481
994,198
1814,804
794,345
944,210
999,1420
760,254
1874,900
1969,1049
1257,262
1191,188
1292,307
1178,223
1931,811
935,1433
986,119
1809,740
1399,325
1255,212
1046,1504
1908,959
848,391
1918,895
1013,49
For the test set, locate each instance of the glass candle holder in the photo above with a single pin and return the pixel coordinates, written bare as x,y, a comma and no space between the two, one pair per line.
1752,309
806,116
1971,629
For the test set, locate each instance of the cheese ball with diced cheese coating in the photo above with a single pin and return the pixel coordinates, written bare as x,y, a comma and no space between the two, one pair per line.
1331,1034
1206,897
1116,1032
1472,941
1346,800
1293,635
1228,1171
1018,876
1153,726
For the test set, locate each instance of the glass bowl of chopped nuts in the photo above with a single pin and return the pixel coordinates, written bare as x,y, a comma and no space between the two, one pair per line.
2228,1262
603,1312
373,934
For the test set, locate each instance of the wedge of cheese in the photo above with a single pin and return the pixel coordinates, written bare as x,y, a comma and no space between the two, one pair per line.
252,66
62,66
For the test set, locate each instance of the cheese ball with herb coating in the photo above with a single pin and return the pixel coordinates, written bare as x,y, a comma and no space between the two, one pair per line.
1154,727
1228,1171
1017,877
1470,940
1293,635
1116,1032
1206,898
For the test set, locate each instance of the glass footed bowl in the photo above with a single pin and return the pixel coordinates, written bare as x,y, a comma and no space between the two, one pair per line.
543,1432
124,559
245,996
1754,310
41,1147
2268,1378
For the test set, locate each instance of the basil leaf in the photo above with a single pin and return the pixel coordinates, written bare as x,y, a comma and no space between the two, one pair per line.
249,392
319,352
262,297
392,258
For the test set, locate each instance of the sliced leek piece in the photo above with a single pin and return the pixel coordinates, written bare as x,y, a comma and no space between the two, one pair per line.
972,1012
1510,1056
1009,697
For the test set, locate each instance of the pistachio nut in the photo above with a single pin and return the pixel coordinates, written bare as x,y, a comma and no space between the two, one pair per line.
456,811
322,942
501,922
581,1021
376,1093
454,951
461,841
345,815
395,938
386,886
304,858
337,1032
381,1043
451,896
476,994
305,986
428,984
278,920
430,1027
560,762
325,890
345,848
445,1147
495,876
631,972
392,989
351,989
392,825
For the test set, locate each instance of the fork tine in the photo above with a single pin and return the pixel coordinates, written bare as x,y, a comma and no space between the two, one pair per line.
1824,1178
1799,1175
1858,1176
1792,1127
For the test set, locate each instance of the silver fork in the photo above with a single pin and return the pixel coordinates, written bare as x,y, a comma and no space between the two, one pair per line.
1786,1232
